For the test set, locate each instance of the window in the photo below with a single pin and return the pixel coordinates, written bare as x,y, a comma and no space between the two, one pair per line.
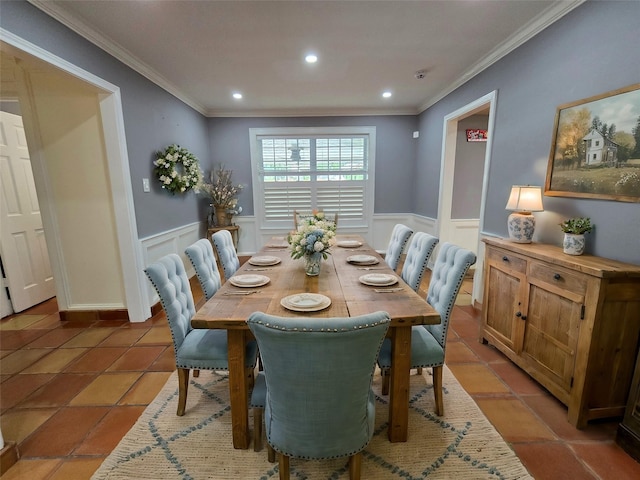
328,169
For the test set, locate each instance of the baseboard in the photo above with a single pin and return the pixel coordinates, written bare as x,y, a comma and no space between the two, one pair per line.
93,315
8,457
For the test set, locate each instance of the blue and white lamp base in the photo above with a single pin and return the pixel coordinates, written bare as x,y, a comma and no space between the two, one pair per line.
521,226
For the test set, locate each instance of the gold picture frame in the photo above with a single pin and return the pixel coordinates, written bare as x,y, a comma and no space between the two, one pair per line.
595,152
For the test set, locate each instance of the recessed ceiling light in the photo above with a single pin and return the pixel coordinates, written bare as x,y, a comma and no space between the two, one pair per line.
237,96
386,94
311,58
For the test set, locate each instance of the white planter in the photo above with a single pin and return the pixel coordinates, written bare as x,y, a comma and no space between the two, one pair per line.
573,243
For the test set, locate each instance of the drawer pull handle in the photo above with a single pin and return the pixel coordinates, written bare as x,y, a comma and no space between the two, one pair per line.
518,314
557,276
505,259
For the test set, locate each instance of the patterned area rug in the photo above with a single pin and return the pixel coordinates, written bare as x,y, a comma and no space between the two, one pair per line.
460,445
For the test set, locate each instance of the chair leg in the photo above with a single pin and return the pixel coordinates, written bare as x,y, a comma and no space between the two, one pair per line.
437,390
257,429
419,370
250,375
183,386
271,453
355,466
196,373
386,373
283,464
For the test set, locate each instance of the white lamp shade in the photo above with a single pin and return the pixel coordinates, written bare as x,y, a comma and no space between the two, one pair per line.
525,198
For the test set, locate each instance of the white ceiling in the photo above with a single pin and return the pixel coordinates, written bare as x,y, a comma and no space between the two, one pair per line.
203,51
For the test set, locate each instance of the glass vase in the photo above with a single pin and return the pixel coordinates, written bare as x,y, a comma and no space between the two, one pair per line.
312,264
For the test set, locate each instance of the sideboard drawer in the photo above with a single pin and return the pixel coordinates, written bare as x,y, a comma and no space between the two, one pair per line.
558,276
507,259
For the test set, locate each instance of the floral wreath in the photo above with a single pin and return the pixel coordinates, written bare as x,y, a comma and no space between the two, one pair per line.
174,179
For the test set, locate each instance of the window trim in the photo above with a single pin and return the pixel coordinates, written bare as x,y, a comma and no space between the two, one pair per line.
258,190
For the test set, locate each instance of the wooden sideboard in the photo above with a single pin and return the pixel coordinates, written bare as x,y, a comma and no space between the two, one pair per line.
571,322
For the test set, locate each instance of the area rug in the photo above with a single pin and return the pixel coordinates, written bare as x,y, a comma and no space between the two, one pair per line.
460,445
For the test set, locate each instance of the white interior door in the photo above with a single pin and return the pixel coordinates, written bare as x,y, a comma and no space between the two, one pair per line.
22,243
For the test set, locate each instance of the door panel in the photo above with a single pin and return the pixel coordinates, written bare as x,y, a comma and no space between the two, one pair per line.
22,243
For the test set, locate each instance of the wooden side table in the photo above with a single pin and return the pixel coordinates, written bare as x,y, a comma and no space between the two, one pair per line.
233,229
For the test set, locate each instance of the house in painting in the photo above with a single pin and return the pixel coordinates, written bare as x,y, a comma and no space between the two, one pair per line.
599,149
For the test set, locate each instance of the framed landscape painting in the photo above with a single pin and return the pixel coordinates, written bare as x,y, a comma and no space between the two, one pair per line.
595,150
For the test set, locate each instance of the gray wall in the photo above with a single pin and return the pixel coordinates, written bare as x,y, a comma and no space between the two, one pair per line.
395,153
592,50
153,118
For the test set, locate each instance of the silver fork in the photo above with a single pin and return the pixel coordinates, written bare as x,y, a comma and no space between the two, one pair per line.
248,292
388,290
372,268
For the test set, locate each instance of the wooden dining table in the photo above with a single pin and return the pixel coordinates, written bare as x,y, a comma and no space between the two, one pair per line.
339,280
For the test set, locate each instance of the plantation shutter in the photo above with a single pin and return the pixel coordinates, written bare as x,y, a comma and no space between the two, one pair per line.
329,173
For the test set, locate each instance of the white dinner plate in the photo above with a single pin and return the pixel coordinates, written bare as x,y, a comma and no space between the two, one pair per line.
249,280
349,243
363,259
378,279
264,261
306,302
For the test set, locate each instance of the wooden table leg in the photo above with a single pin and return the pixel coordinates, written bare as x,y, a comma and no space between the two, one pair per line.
399,384
238,392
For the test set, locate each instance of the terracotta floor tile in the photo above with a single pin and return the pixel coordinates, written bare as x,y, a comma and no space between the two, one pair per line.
477,378
551,461
59,391
157,335
136,358
47,307
49,322
55,338
608,460
56,361
145,389
458,352
19,387
107,389
516,379
554,414
123,337
18,424
486,352
77,469
105,436
89,338
76,423
32,469
20,321
21,359
465,326
166,362
514,421
96,359
14,339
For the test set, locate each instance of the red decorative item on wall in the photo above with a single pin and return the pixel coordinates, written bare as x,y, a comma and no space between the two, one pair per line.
476,135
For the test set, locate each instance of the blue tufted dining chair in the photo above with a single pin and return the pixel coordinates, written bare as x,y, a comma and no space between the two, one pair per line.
195,349
226,252
428,341
318,402
203,259
420,248
399,236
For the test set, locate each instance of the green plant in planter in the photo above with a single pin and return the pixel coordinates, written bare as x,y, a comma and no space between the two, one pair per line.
577,225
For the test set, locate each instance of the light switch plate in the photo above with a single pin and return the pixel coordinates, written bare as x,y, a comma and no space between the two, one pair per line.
416,134
145,185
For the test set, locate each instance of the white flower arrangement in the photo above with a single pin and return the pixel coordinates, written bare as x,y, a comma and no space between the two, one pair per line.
168,174
314,235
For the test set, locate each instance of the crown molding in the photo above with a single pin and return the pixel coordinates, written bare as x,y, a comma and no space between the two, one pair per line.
535,26
360,112
114,49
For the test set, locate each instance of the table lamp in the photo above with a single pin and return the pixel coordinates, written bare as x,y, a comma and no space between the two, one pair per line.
523,200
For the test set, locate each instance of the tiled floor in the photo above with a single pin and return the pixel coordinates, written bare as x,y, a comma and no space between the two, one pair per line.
70,391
